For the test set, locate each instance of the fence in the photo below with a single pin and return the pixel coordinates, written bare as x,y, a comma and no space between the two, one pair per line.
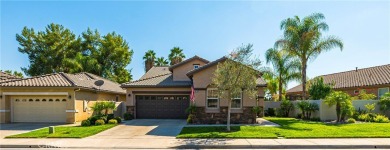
120,109
325,113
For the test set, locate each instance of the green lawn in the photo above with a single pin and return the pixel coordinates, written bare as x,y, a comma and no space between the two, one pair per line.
64,132
292,128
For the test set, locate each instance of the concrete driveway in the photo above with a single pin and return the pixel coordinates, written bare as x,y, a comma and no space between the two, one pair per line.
144,129
17,128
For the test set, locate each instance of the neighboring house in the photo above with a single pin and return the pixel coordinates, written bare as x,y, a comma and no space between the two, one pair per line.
7,77
374,80
164,92
57,97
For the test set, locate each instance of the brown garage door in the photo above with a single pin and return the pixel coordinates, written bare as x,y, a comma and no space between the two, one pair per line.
162,107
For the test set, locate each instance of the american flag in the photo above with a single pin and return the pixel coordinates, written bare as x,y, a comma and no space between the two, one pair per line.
192,97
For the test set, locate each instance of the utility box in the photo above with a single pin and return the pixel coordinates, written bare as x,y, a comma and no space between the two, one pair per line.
51,130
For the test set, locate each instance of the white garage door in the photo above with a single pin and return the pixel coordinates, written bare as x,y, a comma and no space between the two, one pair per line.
39,109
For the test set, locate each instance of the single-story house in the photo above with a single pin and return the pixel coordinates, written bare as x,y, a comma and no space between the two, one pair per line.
164,92
374,80
57,97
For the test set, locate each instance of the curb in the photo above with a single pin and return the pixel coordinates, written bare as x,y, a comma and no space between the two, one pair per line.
222,147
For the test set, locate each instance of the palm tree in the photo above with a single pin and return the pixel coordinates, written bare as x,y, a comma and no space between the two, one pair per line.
161,61
149,58
176,55
286,67
272,83
303,39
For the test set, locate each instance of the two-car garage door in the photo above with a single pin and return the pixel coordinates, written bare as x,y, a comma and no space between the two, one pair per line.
39,109
161,106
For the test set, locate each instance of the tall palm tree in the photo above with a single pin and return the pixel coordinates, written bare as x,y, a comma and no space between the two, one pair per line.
161,61
303,39
176,55
149,58
286,67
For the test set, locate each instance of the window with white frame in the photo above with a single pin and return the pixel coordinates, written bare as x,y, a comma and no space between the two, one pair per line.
382,91
212,98
196,66
237,102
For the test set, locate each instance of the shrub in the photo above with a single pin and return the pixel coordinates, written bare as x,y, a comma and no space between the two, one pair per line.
307,109
315,119
190,118
370,107
270,112
85,123
351,120
285,107
191,109
110,116
93,119
112,121
369,117
99,106
318,89
118,119
384,102
364,96
343,104
128,116
100,122
381,119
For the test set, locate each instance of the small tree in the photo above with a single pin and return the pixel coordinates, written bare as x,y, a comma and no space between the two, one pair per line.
105,106
237,75
318,89
384,102
342,101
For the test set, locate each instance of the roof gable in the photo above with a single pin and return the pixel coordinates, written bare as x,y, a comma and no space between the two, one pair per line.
188,60
155,71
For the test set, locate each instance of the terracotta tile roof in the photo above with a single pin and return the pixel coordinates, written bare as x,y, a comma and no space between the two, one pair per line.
155,71
6,76
48,80
79,80
371,76
188,60
87,80
163,80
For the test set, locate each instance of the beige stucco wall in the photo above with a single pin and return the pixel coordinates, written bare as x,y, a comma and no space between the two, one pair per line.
179,73
90,98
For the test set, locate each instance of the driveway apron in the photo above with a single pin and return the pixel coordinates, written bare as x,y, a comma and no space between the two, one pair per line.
143,129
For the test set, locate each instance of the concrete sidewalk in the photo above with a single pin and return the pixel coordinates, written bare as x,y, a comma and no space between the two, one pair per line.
142,143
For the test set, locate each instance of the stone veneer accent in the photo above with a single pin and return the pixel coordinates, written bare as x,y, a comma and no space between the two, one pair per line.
130,109
244,117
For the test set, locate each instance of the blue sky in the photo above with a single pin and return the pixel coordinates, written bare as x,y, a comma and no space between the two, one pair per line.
207,29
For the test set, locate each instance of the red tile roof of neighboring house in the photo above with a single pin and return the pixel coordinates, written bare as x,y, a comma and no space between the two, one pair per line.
371,76
79,80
